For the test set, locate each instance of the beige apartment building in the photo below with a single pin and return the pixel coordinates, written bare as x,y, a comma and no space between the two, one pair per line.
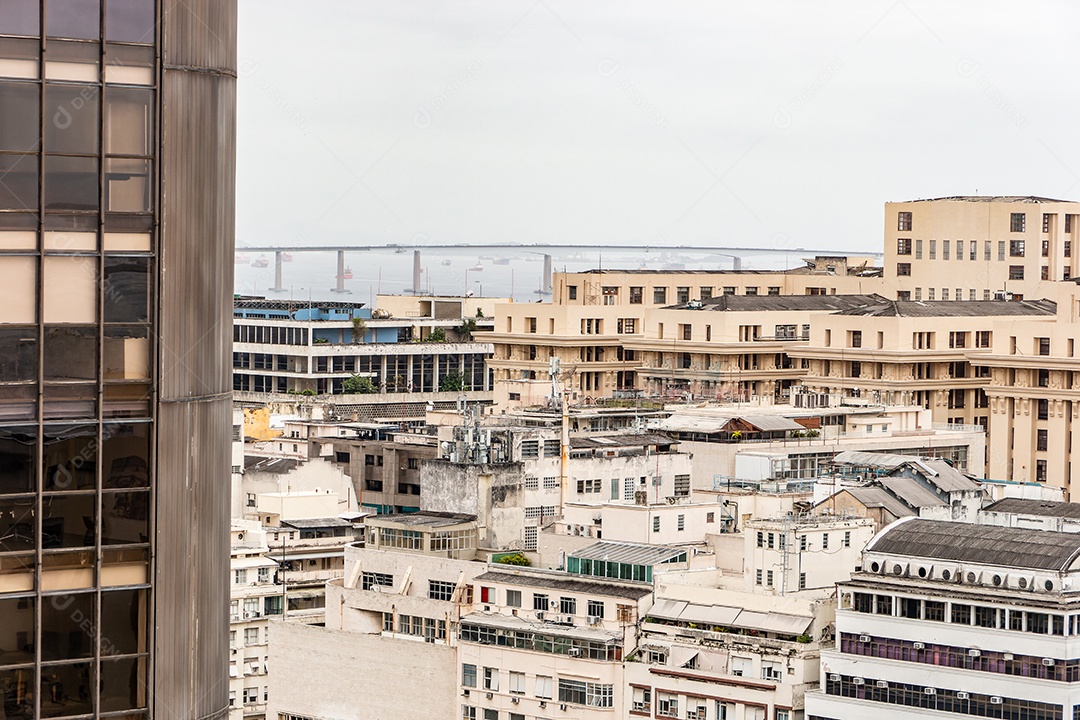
914,353
593,317
731,347
1033,388
969,247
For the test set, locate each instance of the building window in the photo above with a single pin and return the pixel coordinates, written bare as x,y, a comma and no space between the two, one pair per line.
491,678
656,524
1040,474
1041,439
903,221
571,292
1017,222
596,608
918,249
468,675
903,246
531,537
680,522
757,577
825,541
974,251
1016,248
373,580
1016,272
636,295
769,578
802,581
944,249
856,338
1046,222
903,269
440,590
517,683
933,249
682,295
568,605
468,712
1043,409
1043,345
774,289
659,295
960,249
542,687
847,539
682,486
540,601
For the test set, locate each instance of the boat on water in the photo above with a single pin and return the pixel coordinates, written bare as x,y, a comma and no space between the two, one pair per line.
478,267
446,263
502,261
260,262
347,274
241,258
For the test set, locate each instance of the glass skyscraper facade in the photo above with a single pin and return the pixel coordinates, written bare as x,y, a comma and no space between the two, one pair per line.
117,136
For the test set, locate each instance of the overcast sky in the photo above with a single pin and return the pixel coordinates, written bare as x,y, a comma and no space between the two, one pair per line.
772,124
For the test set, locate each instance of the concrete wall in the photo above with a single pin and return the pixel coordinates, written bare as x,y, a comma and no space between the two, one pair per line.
338,675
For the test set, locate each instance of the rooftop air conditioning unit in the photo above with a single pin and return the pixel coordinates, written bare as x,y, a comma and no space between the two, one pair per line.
858,681
929,691
515,700
574,652
974,653
864,638
882,683
563,707
961,695
918,645
834,678
1048,662
995,700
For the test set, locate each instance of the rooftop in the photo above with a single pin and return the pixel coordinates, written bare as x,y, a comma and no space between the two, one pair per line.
778,303
1044,508
567,583
628,439
729,616
955,308
516,622
874,497
273,465
993,198
629,553
426,518
316,523
981,544
261,303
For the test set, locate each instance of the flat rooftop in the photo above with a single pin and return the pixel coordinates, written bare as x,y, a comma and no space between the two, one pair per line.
993,198
629,553
568,583
424,518
789,303
1042,508
980,544
956,308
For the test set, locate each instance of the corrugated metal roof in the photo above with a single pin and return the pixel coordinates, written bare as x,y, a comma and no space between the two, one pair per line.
569,583
911,492
630,553
770,423
875,497
883,461
515,622
983,544
423,518
1043,508
945,476
803,303
724,615
956,308
315,523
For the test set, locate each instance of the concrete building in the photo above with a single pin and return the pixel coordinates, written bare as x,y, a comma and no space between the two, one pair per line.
753,445
971,247
511,478
255,595
286,348
1032,514
117,154
731,347
914,353
1034,396
593,314
955,618
798,552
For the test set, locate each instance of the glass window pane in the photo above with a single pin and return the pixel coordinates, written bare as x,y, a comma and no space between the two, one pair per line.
125,289
67,521
69,459
70,353
129,20
18,692
18,354
17,631
123,684
125,518
19,186
123,622
71,183
17,460
80,19
127,353
66,690
20,17
125,455
18,403
66,624
68,401
127,185
127,400
71,119
18,277
16,524
129,121
19,117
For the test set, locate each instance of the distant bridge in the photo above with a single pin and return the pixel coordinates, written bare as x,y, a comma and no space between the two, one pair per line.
735,253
